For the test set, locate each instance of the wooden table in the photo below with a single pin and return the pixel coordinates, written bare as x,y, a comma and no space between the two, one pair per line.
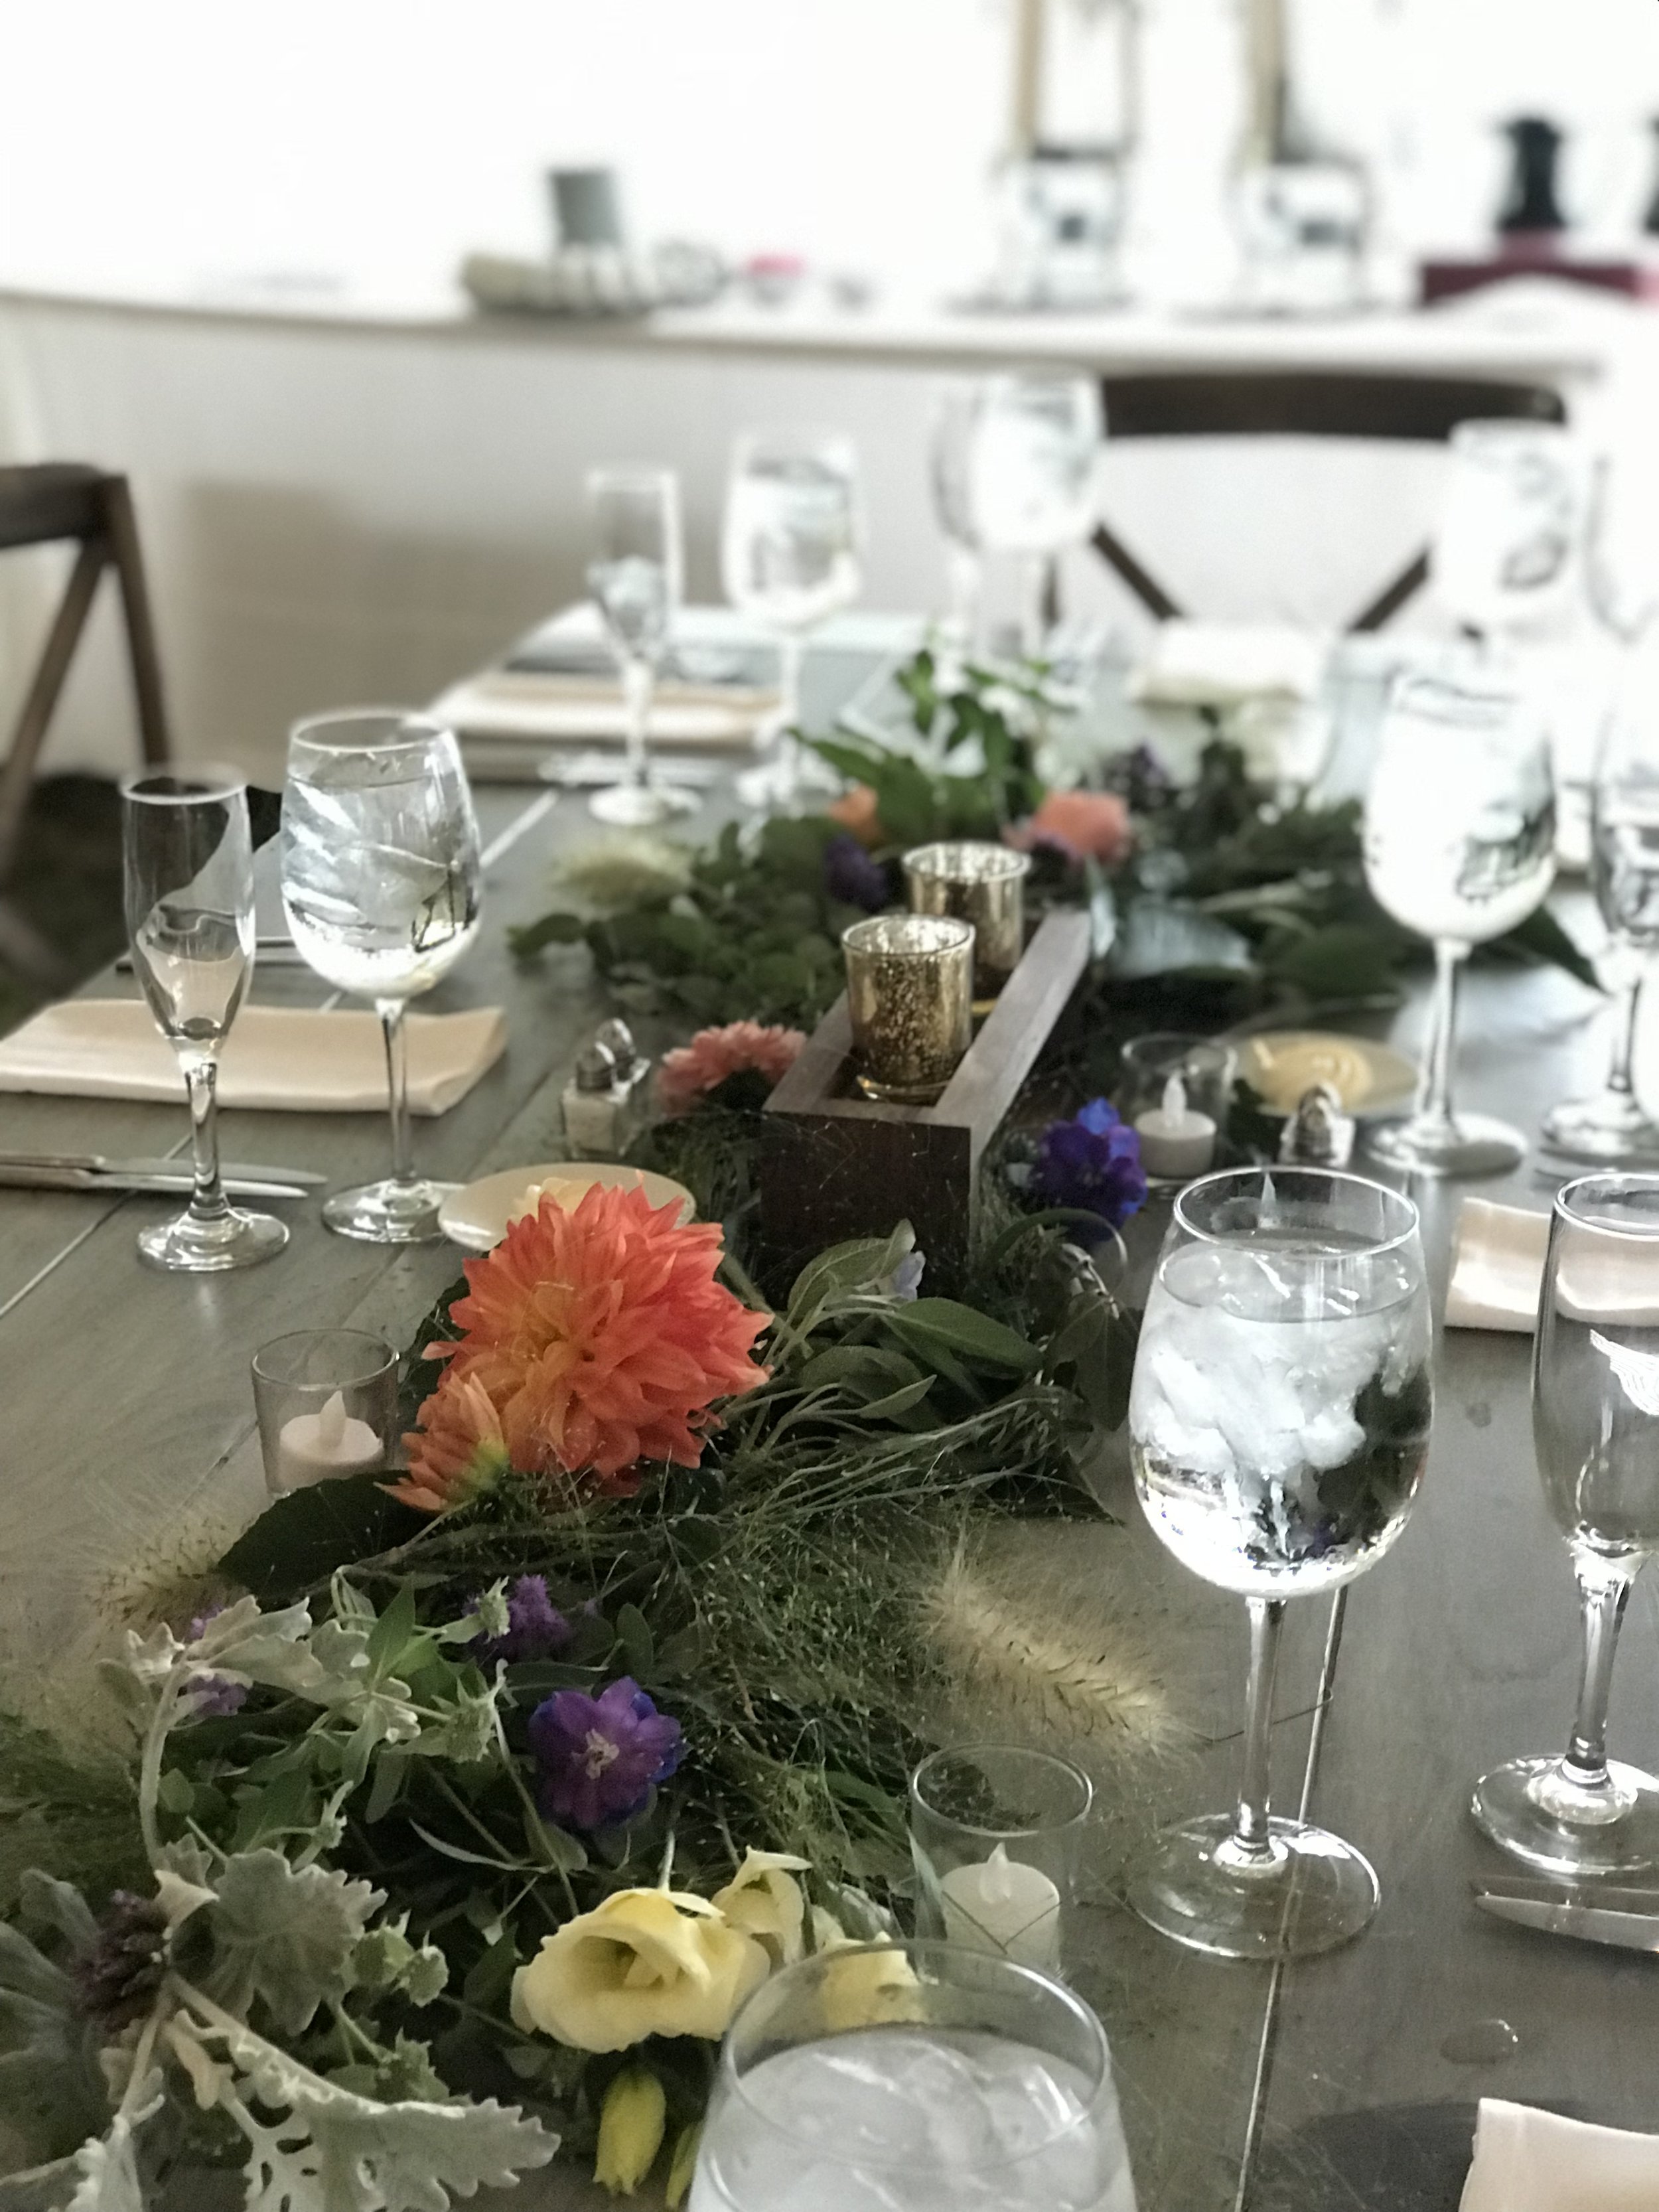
127,1446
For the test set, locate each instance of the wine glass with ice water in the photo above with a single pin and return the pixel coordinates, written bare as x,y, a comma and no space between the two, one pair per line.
636,579
1595,1429
380,883
187,874
1278,1421
790,558
1459,845
912,2078
1033,451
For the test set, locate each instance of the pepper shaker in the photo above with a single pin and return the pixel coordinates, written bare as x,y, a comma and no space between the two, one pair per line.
595,1106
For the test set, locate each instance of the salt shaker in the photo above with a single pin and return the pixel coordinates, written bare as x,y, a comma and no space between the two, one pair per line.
1319,1134
595,1106
633,1070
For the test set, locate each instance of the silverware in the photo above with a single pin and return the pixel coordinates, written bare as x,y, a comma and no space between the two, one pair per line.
173,1167
268,953
1632,1925
178,1185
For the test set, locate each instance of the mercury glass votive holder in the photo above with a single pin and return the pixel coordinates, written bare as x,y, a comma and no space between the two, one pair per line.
981,883
910,999
326,1403
996,1836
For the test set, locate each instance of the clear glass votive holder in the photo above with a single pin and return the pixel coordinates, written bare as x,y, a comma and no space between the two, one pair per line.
977,882
996,1831
910,999
1207,1072
326,1402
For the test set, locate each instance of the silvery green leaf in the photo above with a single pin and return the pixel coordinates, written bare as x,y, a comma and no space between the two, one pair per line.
52,2090
466,1734
1159,938
108,2165
285,1934
38,2188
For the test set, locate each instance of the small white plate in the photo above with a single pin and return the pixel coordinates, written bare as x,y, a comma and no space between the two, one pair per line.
1367,1077
475,1217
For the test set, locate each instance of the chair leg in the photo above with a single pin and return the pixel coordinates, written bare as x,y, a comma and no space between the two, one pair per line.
17,774
1405,586
1151,594
141,630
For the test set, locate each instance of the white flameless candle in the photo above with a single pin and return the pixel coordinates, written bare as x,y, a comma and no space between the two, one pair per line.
1176,1141
315,1446
999,1905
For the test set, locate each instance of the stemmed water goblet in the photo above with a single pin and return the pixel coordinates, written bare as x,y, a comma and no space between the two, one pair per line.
790,558
1506,552
635,577
1595,1428
1459,845
380,884
1278,1424
1032,450
187,875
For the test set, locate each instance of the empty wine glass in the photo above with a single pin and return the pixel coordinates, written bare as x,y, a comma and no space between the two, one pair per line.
380,883
1278,1423
951,477
187,876
1033,449
790,558
1595,1428
1624,871
1505,560
635,577
1460,845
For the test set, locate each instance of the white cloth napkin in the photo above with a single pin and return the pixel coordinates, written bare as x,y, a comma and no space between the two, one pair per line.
1526,2160
1199,664
295,1058
1497,1267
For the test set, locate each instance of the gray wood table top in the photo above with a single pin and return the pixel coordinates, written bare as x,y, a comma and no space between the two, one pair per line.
126,1448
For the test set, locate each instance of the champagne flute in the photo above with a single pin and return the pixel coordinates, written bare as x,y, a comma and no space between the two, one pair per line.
1595,1428
380,883
187,874
1278,1424
1459,844
1033,447
790,558
635,577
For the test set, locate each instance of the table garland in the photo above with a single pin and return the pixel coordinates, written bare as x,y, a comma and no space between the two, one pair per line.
454,1818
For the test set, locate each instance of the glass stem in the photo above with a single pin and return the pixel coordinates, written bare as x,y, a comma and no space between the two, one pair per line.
792,652
966,577
391,1012
1624,1048
639,683
208,1201
1435,1103
1603,1596
1037,582
1250,1844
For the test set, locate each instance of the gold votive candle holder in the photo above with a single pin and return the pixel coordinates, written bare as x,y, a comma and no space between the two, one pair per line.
910,999
977,882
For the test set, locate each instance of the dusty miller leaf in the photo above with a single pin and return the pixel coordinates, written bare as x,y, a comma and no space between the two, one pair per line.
285,1934
108,2166
52,2090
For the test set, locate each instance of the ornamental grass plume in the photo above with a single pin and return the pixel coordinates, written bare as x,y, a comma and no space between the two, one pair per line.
598,1337
696,1070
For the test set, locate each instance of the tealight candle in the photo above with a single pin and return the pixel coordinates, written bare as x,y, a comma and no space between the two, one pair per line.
316,1447
1176,1142
998,1905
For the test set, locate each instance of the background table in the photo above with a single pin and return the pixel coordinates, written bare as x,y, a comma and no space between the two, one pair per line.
1347,2083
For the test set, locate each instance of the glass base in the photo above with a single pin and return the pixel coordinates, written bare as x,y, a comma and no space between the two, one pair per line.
389,1212
793,775
638,805
1310,1892
193,1246
1467,1145
1534,1810
1612,1126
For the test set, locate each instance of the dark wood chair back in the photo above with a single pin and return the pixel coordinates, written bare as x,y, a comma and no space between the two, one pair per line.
1310,404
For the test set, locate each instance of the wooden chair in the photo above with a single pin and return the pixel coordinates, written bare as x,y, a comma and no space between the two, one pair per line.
1335,403
51,503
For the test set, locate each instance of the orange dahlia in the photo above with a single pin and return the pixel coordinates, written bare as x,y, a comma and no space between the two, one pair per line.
598,1336
694,1070
458,1450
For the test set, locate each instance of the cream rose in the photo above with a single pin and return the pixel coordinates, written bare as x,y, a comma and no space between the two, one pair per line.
764,1899
646,1962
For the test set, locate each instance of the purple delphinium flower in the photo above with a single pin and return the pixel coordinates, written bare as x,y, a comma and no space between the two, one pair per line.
851,876
600,1757
116,1981
536,1629
212,1697
1091,1162
904,1284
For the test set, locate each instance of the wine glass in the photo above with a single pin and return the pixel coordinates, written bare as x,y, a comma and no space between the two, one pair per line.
951,477
1033,449
1459,844
1278,1423
380,883
1624,871
1505,558
187,876
790,558
1595,1428
636,578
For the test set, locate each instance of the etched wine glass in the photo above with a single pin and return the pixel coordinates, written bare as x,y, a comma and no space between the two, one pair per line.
380,883
1507,553
1459,845
1278,1424
791,557
187,878
1033,451
635,577
1595,1429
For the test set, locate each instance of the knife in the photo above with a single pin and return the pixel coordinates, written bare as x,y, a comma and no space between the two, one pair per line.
269,952
1628,1927
120,1177
99,1163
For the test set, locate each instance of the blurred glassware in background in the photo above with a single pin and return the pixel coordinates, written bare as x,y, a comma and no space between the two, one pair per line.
951,474
1460,845
1032,448
791,557
635,578
1303,208
1621,543
1625,873
1507,556
1059,226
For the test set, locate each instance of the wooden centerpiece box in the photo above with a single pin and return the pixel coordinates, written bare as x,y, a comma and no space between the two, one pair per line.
835,1164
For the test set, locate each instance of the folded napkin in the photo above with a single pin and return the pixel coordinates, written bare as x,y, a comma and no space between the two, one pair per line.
1197,664
287,1057
1526,2160
1497,1267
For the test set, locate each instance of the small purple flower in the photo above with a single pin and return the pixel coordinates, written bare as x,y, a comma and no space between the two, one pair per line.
1091,1162
851,876
116,1981
600,1757
536,1629
905,1281
212,1697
